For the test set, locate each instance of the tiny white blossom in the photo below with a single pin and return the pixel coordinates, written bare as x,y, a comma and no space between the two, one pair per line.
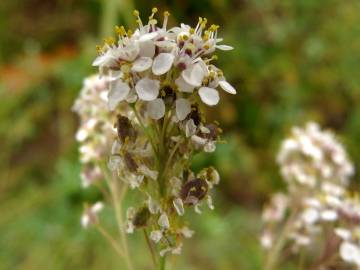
147,89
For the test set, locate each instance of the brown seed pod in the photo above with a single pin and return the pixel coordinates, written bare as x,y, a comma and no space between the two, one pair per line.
194,190
130,162
195,115
125,129
141,217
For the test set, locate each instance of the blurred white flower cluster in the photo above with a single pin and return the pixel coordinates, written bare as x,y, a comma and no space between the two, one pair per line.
96,132
317,213
146,104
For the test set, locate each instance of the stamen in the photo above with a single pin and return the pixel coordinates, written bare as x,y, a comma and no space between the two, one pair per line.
166,16
136,13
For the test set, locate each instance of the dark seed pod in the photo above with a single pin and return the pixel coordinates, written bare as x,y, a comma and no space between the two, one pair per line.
194,189
213,134
168,95
195,115
130,162
141,217
125,129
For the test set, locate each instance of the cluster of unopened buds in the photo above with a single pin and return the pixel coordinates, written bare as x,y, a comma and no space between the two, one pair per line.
318,218
142,122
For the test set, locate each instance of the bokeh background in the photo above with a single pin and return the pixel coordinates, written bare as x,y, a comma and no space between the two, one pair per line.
293,61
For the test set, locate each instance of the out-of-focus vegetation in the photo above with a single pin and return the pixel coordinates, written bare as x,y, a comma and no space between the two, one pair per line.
293,61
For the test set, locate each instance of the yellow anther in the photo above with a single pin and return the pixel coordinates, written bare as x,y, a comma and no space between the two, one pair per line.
203,24
154,10
152,21
214,57
136,13
109,41
99,49
200,20
120,30
166,13
206,47
129,33
192,31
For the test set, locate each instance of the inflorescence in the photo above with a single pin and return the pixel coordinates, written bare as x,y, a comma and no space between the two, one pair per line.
143,116
318,217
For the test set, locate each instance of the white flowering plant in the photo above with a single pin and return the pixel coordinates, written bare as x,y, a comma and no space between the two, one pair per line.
142,121
317,220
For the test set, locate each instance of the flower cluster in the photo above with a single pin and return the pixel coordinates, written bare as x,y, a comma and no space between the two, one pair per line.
149,109
317,208
96,132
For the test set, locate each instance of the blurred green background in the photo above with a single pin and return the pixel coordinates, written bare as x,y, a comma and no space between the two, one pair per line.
293,61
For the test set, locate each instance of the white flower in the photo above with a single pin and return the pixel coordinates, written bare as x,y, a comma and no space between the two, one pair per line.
147,172
227,87
156,236
156,109
90,215
194,75
118,92
153,206
209,95
183,108
141,64
350,253
179,206
329,215
190,128
162,63
186,232
174,250
147,89
183,85
344,234
164,221
130,214
310,215
209,202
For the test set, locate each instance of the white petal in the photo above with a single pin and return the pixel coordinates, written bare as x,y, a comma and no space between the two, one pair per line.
97,207
194,75
147,89
183,85
179,206
227,87
118,92
101,59
349,252
164,221
209,96
156,236
162,63
190,128
224,47
85,221
183,108
343,233
141,64
147,48
148,36
156,109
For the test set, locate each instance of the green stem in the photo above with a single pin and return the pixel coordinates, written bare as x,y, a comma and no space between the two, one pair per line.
162,265
273,256
153,257
117,200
